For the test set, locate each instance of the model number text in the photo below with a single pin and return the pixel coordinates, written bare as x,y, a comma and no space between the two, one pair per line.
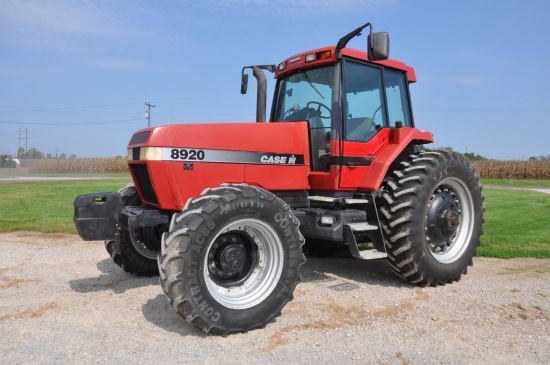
185,154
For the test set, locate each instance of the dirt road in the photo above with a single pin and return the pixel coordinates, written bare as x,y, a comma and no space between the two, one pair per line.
64,302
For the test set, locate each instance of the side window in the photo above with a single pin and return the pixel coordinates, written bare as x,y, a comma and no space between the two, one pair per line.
398,101
365,112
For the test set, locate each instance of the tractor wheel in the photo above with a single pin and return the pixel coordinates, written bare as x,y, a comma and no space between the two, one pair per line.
432,217
231,259
136,255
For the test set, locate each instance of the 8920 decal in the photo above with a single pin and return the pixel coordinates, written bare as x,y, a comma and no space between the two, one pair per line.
187,154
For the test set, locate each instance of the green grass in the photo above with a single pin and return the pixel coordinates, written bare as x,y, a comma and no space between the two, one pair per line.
47,207
517,222
517,183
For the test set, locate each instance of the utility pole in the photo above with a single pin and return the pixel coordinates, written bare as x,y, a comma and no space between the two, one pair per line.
148,113
26,138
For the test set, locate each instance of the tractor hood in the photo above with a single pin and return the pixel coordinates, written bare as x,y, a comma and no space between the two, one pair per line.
173,163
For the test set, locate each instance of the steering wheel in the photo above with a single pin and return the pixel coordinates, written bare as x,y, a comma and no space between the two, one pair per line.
376,111
319,109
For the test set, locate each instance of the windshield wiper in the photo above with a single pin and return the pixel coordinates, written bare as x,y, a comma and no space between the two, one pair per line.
310,83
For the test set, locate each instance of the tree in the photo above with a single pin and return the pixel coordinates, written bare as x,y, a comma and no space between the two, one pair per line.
473,157
33,153
6,161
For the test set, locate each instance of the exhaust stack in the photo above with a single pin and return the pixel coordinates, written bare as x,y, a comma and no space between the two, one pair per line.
261,95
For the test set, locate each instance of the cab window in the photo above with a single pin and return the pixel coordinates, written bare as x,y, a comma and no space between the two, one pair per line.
397,98
364,101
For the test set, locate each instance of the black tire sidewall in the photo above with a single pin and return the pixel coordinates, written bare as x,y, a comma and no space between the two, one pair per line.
455,167
200,241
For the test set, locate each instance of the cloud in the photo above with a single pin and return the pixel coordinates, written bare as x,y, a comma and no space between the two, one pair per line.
65,24
285,8
468,79
113,63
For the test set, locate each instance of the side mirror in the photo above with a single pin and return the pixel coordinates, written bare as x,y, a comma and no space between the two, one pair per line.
379,46
244,83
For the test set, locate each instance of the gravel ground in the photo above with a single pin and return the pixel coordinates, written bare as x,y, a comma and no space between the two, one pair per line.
64,302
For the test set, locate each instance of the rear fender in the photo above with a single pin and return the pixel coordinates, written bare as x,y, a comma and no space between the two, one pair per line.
399,140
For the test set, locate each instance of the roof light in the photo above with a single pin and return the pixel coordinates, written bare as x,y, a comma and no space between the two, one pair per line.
311,57
324,55
295,59
282,66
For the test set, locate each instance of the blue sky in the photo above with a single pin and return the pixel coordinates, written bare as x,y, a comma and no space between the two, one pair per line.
76,74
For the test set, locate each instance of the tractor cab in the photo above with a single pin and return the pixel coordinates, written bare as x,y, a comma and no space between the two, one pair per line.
353,102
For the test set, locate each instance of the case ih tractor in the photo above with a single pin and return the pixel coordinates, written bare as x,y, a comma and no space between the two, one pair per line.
222,211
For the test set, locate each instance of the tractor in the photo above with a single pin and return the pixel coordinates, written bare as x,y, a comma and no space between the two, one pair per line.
222,211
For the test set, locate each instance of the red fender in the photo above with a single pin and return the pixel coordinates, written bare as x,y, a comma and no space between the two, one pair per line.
400,139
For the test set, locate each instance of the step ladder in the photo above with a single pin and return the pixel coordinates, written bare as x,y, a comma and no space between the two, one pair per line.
349,238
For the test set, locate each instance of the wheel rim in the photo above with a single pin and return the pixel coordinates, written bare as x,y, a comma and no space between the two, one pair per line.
243,264
146,241
449,220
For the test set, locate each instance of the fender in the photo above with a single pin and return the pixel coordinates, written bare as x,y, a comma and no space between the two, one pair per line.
400,139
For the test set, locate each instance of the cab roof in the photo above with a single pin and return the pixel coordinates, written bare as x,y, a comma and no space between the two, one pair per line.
328,55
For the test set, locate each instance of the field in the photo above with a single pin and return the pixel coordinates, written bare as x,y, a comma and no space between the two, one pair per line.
47,207
538,170
77,165
490,169
516,220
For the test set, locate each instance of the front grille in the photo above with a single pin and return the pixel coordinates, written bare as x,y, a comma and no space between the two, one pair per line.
144,181
140,138
135,154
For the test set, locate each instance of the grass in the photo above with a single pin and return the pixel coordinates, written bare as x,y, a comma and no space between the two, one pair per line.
514,183
517,222
47,207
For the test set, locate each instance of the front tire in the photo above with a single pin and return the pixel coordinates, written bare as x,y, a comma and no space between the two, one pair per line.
136,254
231,259
432,217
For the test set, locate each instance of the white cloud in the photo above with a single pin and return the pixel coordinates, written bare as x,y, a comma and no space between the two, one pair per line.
113,63
65,24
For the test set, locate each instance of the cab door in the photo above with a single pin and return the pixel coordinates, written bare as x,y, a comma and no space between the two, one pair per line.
376,100
365,124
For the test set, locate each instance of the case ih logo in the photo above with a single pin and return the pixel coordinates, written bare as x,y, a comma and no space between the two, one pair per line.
279,159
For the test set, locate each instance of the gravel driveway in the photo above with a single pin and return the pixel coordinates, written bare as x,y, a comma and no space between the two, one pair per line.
65,302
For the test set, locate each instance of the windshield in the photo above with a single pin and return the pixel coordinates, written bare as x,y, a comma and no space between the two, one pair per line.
306,95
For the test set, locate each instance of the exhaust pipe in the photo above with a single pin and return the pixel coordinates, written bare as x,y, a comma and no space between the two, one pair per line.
261,96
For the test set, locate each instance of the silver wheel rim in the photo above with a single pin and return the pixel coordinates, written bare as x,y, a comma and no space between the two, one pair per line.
263,277
460,240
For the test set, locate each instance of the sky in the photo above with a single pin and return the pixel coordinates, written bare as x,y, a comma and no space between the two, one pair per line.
75,75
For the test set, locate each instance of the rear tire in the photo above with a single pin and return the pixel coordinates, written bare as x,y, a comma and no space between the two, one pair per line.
136,255
432,217
231,259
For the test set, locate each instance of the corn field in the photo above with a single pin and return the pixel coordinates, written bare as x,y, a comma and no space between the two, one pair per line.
539,170
77,165
491,169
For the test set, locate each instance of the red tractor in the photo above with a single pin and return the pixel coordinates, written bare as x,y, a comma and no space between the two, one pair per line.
221,210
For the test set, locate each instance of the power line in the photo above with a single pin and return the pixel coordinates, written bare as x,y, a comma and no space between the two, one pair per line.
485,110
66,108
66,124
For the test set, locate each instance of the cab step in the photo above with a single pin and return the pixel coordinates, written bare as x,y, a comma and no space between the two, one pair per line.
362,227
349,239
372,254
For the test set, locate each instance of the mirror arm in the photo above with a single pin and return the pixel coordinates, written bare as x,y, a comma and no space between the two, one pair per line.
345,39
